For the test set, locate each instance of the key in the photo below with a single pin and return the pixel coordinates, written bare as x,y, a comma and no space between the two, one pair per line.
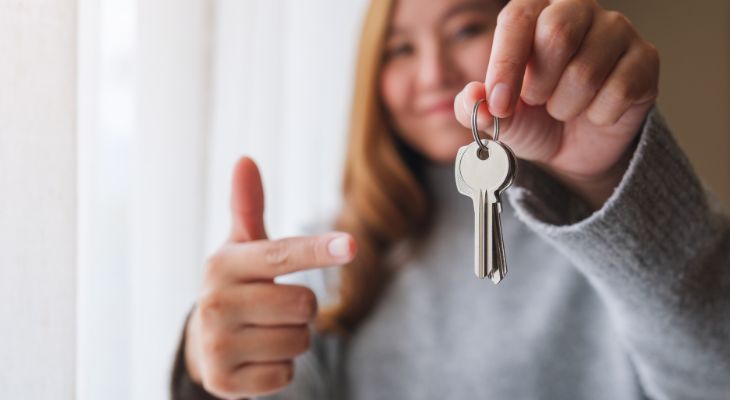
483,176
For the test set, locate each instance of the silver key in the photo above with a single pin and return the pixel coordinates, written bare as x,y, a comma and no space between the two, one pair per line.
484,170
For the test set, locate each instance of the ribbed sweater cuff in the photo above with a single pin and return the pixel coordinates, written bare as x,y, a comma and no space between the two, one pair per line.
658,209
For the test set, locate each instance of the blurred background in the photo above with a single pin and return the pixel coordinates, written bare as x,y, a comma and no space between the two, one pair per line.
120,122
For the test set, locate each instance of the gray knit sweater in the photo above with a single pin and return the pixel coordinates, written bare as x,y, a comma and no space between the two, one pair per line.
629,302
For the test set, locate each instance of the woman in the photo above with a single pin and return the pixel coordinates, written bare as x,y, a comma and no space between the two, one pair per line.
618,284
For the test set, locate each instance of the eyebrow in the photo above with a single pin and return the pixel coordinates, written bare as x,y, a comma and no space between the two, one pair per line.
466,6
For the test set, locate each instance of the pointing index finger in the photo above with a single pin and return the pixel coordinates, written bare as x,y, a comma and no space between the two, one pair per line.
267,259
511,50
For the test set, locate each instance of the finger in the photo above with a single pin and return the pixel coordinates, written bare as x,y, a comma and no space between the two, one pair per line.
606,41
256,344
464,105
247,203
511,49
258,304
560,30
633,81
249,380
267,259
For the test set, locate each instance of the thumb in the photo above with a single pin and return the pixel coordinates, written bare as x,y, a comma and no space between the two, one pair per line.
530,131
247,202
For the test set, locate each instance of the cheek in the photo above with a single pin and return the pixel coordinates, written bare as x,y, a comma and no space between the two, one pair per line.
473,59
393,90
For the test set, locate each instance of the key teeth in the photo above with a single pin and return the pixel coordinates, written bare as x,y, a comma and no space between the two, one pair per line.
496,277
499,264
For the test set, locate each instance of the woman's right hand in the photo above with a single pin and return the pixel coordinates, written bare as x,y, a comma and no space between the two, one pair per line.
246,330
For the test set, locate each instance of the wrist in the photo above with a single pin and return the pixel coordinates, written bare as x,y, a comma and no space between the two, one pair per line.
596,189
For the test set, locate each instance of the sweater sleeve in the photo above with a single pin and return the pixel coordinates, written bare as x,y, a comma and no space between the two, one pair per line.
658,254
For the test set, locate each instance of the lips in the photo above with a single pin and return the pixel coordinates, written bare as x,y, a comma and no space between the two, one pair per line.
439,107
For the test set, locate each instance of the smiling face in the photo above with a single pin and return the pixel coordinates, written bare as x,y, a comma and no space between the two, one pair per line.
431,53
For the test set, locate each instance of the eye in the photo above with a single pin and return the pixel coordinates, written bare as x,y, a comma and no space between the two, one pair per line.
400,50
469,31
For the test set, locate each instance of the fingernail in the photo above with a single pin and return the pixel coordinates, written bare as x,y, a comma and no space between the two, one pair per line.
499,99
339,247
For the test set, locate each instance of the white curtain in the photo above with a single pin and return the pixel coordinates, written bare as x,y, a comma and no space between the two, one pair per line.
37,199
173,92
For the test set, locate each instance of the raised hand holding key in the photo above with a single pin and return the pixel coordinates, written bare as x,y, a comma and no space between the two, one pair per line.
484,169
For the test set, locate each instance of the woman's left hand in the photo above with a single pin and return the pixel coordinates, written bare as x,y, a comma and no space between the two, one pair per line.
574,83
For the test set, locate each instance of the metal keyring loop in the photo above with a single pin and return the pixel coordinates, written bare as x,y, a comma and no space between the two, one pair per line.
475,131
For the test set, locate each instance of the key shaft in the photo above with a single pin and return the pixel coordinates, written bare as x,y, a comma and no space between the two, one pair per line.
484,180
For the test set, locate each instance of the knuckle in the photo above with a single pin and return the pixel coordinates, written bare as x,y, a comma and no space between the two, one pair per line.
303,303
585,3
608,105
617,19
270,379
214,264
583,74
599,116
277,253
220,384
213,306
652,93
652,55
621,24
618,92
216,346
558,109
559,38
516,15
280,376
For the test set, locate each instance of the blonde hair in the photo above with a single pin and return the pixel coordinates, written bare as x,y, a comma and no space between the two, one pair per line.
385,201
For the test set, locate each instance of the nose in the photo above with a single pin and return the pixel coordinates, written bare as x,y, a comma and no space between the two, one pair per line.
435,69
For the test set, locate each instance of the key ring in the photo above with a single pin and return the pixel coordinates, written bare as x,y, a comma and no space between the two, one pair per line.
475,131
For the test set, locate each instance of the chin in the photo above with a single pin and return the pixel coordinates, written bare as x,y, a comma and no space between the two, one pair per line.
439,143
444,153
443,148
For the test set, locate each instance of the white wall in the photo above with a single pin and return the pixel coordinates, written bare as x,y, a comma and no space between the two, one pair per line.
37,199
